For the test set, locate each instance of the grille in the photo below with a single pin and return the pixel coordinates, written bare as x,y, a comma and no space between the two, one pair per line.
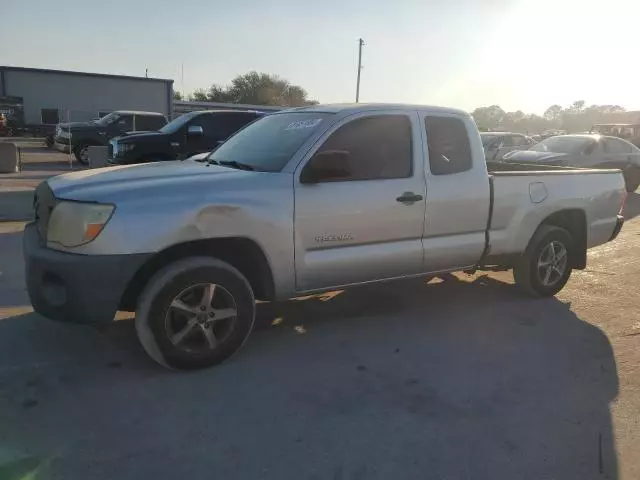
43,202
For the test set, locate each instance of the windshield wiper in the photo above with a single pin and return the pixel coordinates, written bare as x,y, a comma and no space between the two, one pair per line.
233,164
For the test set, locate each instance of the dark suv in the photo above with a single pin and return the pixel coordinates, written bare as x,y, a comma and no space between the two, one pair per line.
79,136
187,135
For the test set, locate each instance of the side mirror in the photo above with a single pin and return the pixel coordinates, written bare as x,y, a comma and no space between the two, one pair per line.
195,131
326,166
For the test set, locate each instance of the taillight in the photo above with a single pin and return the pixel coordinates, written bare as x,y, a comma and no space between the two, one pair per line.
624,199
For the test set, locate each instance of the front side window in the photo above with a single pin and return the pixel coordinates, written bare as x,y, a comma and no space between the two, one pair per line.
177,123
376,147
125,122
448,143
520,141
489,141
508,141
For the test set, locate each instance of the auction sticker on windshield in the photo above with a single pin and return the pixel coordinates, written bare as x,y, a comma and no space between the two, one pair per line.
304,124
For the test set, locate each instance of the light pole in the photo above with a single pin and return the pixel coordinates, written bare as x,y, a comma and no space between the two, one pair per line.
360,44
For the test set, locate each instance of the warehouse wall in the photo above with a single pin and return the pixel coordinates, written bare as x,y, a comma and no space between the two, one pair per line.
84,96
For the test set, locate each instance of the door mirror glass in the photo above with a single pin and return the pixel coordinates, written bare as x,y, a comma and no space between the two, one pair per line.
330,165
195,131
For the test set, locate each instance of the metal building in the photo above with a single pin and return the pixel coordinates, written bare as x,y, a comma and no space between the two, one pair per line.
52,96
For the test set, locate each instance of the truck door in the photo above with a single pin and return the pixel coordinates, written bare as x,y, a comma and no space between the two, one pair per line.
359,202
457,194
124,123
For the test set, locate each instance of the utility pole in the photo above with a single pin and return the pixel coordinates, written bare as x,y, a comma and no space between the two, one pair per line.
360,44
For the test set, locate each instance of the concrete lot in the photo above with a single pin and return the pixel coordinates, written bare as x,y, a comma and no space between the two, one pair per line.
459,379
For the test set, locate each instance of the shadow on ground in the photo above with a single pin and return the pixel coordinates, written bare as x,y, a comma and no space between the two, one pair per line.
457,379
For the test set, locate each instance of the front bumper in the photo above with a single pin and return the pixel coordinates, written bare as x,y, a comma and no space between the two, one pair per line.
61,147
618,227
75,288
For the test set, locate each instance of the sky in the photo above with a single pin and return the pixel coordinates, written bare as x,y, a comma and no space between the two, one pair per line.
519,54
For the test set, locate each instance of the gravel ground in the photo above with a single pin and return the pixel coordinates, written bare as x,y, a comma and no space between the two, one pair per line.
462,378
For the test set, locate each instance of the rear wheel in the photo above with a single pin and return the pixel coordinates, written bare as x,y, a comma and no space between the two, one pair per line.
632,179
545,267
81,153
195,313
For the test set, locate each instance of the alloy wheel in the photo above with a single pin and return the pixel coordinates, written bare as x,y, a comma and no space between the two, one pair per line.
200,317
552,263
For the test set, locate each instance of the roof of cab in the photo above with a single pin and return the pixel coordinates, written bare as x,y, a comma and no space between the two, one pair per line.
364,107
135,112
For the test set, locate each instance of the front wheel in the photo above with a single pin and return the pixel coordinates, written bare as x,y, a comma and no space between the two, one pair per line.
81,153
195,313
632,179
545,267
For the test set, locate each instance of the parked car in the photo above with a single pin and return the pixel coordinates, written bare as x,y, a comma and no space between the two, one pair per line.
497,144
303,201
77,137
589,151
187,135
627,131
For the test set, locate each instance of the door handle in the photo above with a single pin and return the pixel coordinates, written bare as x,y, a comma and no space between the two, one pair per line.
409,198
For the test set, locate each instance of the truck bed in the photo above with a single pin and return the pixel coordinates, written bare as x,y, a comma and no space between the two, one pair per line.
516,188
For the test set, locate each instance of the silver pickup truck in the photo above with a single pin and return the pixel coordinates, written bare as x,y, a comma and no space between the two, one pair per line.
305,200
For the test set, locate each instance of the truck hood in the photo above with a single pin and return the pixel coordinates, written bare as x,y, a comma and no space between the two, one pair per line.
136,132
78,126
534,156
164,178
140,136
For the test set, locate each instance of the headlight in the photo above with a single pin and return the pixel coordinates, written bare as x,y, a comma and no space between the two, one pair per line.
75,223
122,148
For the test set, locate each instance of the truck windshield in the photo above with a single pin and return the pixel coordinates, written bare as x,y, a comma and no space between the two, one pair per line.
175,124
563,144
268,144
107,119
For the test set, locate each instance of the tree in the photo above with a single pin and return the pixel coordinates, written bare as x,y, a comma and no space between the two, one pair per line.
198,95
257,89
177,95
575,118
553,113
577,106
488,117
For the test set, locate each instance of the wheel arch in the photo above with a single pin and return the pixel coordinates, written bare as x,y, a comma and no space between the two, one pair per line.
573,220
242,253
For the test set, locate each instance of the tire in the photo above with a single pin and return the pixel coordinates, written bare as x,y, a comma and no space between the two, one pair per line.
81,153
48,140
530,277
632,179
159,323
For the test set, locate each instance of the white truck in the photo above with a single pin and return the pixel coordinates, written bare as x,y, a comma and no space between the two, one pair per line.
301,201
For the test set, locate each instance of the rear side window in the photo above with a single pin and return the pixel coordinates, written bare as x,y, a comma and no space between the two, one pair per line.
232,122
379,147
448,143
149,122
611,145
